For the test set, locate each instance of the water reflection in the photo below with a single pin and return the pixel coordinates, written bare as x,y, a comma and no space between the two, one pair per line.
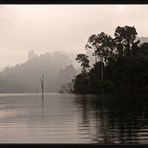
114,119
69,118
42,98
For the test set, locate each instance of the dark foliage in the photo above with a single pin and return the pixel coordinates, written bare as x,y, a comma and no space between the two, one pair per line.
121,64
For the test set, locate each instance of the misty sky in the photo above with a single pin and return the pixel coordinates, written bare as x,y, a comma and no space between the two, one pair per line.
48,28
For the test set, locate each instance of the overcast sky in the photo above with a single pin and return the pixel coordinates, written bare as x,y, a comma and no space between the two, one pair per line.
48,28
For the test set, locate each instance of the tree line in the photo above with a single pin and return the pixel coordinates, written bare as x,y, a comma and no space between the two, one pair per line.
121,63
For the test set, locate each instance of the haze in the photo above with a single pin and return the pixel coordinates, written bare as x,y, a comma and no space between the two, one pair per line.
65,28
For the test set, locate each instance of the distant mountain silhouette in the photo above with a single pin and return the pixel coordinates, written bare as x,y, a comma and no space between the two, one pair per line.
26,77
66,75
143,39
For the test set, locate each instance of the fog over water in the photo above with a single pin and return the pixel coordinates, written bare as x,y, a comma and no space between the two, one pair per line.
46,96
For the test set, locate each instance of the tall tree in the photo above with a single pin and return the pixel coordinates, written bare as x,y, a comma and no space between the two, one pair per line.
83,59
125,39
103,47
121,63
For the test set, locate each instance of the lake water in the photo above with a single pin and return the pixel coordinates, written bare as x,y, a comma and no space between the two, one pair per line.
70,118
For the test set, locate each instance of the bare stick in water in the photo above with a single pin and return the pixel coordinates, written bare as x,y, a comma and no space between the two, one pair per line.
42,86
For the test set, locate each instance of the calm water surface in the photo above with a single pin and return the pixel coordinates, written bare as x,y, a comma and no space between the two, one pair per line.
69,118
